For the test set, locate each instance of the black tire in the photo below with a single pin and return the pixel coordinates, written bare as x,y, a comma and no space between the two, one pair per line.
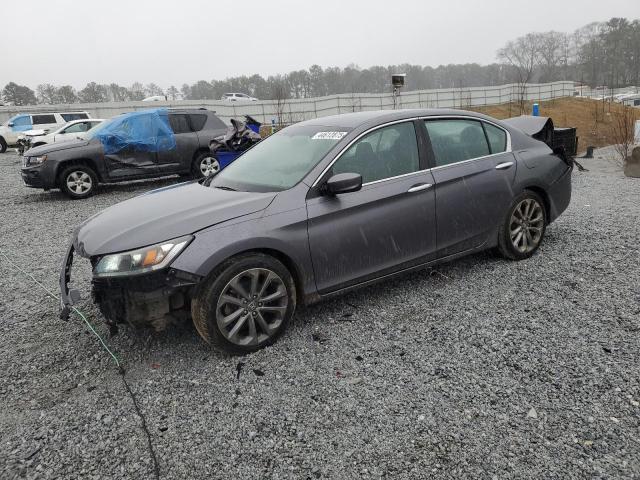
208,305
197,165
80,172
3,145
517,224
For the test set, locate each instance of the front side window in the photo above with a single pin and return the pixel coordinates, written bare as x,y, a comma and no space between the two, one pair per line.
21,121
497,138
43,119
456,140
76,128
384,153
281,160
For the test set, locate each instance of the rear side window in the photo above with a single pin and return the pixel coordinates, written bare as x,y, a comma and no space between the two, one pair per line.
497,138
197,121
456,140
73,116
179,123
43,119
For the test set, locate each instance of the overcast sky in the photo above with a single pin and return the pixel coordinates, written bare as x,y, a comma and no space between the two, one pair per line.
177,41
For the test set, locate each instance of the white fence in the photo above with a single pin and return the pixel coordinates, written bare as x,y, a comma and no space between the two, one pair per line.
294,110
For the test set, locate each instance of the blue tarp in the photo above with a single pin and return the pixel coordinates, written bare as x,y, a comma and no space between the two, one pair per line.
143,131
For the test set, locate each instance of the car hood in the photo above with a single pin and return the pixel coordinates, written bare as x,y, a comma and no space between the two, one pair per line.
55,147
162,215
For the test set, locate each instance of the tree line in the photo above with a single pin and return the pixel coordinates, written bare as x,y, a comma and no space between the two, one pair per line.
601,53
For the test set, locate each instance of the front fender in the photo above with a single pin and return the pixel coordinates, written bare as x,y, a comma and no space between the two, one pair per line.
285,233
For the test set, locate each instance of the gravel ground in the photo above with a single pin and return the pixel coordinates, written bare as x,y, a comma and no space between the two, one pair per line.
482,368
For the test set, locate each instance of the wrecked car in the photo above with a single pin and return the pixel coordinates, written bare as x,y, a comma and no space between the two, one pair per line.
239,137
74,130
317,209
132,146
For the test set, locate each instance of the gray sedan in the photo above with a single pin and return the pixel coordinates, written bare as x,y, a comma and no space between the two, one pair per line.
319,208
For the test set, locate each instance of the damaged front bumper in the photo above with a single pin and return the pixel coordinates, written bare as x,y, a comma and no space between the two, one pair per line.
154,299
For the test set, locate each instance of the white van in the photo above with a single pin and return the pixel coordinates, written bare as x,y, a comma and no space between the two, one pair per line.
12,128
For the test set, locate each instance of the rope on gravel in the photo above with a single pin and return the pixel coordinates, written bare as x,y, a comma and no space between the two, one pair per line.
121,370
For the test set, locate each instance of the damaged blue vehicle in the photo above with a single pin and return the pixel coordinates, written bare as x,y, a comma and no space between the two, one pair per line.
317,209
132,146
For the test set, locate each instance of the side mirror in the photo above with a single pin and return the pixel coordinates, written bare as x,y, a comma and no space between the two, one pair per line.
10,124
343,183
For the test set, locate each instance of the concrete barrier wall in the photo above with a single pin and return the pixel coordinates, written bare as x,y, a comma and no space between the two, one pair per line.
295,110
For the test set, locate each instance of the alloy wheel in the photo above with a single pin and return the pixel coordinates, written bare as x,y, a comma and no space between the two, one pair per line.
79,182
526,225
209,166
252,306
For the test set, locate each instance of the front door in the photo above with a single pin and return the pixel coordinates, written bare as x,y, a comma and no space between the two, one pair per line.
387,225
130,163
473,176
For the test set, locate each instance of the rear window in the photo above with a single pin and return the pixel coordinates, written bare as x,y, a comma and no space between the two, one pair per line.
43,119
197,121
73,116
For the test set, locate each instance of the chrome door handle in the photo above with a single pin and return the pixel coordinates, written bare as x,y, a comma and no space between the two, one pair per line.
504,165
419,188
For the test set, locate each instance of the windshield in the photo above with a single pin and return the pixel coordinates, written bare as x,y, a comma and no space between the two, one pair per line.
280,161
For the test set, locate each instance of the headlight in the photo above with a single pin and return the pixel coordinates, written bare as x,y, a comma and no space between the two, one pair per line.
31,161
147,259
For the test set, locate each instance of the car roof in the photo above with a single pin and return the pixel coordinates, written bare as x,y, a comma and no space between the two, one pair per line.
82,120
373,117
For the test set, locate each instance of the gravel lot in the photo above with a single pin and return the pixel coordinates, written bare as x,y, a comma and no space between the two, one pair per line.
481,368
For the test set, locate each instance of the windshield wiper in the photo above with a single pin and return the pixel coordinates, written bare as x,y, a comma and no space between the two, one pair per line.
223,187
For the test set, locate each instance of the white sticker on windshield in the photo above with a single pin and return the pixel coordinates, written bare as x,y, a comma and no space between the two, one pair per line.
328,135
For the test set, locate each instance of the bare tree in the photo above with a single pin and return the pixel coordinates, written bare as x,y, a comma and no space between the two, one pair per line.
46,93
623,131
279,94
524,55
173,93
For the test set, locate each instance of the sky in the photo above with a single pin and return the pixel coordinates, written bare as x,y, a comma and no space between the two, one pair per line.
171,42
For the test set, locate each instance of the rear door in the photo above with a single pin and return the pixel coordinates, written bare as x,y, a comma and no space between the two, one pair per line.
473,173
388,225
170,161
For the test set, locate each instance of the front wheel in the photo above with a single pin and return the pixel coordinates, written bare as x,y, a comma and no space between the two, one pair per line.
78,181
523,229
246,304
205,165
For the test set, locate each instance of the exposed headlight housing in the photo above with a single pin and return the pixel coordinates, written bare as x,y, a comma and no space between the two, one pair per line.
142,260
31,161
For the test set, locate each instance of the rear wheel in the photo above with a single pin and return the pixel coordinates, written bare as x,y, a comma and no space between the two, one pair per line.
523,229
3,145
205,165
246,304
78,181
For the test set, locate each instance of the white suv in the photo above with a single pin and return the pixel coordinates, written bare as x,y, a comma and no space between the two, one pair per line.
16,125
238,97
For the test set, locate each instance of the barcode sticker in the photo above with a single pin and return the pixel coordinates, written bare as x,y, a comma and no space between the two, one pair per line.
328,135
